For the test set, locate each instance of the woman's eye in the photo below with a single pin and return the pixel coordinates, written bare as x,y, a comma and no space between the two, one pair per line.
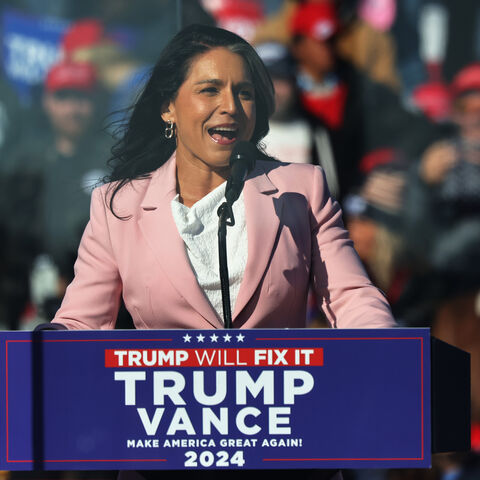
247,94
209,90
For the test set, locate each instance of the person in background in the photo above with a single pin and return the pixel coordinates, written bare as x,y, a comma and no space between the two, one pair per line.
366,39
444,194
55,170
357,114
373,217
290,136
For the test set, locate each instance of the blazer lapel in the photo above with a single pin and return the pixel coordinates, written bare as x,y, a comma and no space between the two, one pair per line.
161,233
262,214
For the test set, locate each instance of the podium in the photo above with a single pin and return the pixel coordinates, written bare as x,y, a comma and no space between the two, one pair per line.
230,399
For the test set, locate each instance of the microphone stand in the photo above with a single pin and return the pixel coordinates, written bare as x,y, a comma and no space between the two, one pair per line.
225,217
242,161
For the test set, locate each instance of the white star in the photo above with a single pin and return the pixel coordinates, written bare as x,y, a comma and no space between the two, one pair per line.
227,337
200,338
213,338
240,337
186,338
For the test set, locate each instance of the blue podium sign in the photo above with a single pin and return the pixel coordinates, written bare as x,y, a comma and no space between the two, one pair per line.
210,399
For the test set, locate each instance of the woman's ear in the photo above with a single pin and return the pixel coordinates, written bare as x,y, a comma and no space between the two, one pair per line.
168,113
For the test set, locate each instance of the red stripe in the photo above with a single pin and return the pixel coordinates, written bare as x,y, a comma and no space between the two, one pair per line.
330,459
214,357
95,460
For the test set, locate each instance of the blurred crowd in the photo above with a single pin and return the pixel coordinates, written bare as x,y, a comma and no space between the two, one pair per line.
383,94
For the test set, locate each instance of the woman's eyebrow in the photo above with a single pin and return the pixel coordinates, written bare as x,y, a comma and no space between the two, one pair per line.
217,81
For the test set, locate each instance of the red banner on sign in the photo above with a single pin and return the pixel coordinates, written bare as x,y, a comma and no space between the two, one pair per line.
214,357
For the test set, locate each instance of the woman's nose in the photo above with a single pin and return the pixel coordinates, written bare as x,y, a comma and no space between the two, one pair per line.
229,102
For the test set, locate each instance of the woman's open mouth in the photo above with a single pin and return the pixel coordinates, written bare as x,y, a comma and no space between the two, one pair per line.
223,135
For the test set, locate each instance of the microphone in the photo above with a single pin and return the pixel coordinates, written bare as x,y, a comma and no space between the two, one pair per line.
242,162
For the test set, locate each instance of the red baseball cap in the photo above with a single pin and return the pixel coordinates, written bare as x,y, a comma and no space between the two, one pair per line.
82,34
316,20
466,80
68,75
433,99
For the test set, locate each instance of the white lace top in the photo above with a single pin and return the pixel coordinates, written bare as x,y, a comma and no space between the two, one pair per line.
198,227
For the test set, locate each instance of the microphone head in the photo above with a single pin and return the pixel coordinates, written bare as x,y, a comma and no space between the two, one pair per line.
244,152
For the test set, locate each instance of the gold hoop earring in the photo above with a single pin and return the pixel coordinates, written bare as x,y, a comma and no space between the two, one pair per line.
169,129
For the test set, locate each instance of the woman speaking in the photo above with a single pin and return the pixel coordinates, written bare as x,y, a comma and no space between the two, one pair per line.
153,228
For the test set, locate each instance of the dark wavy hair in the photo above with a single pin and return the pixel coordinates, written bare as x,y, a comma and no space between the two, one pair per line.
142,146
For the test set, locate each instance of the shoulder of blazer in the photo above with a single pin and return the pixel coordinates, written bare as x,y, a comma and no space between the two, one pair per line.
294,177
126,202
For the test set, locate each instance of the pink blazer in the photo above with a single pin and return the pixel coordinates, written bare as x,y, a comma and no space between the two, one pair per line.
295,238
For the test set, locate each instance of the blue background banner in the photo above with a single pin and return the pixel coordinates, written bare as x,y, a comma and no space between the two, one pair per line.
31,45
249,399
